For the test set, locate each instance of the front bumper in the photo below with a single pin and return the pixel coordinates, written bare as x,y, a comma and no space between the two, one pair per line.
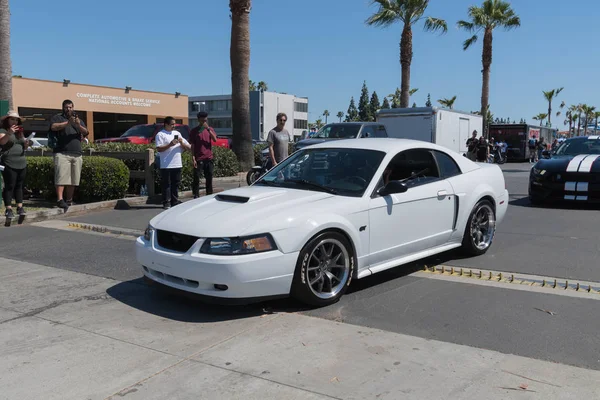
262,275
565,187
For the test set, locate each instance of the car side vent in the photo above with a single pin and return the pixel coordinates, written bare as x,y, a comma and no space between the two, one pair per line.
232,199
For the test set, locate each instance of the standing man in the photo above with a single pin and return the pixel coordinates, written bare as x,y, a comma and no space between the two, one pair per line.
472,147
201,138
69,131
170,144
279,139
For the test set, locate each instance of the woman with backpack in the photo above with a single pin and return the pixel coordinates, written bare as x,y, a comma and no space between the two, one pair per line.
12,157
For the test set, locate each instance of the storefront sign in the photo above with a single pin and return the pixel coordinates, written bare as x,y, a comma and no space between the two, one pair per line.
118,100
534,133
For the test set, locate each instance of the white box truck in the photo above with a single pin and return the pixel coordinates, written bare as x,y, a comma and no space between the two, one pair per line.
448,128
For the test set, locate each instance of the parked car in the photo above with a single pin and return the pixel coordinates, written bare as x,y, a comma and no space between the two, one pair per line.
340,130
145,133
571,173
326,215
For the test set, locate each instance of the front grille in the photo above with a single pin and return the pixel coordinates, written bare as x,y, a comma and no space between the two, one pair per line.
175,241
576,177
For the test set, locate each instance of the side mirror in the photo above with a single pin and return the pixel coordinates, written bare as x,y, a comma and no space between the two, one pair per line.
546,154
392,187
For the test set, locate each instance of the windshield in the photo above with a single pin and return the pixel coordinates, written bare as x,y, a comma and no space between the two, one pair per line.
145,131
573,147
346,172
337,131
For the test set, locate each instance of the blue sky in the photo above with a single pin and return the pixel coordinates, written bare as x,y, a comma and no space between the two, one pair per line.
320,49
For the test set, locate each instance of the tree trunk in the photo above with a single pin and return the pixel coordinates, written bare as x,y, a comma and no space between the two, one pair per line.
240,96
5,62
486,60
578,124
549,112
570,125
406,54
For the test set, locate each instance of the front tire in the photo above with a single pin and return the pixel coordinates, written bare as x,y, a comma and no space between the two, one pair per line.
252,176
324,270
480,229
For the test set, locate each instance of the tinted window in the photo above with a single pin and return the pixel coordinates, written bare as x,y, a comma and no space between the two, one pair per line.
416,167
573,147
145,131
367,132
338,131
447,165
380,131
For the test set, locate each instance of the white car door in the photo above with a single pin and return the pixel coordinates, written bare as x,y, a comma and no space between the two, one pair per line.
420,218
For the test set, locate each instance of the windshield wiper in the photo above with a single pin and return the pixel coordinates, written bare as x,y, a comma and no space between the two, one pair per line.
313,184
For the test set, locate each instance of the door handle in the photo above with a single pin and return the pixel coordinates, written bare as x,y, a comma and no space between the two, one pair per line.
442,193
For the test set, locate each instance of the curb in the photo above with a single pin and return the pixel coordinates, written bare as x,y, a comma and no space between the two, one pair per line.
79,209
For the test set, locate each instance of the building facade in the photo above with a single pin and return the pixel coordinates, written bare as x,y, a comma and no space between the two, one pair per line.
107,112
264,107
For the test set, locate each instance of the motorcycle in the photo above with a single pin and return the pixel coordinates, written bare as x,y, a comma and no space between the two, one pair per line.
258,170
498,157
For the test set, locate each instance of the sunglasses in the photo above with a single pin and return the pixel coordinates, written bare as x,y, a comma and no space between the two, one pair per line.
282,120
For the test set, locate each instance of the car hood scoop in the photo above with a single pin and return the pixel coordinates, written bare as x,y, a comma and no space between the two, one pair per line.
232,199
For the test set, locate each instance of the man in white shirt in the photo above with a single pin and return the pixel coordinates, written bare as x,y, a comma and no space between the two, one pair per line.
170,144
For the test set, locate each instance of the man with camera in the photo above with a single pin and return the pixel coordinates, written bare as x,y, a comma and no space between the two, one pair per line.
170,144
69,131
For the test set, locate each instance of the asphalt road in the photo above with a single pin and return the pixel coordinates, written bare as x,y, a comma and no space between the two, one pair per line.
557,242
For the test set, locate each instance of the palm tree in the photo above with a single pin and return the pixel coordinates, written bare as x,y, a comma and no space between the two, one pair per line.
407,12
326,114
575,119
413,91
449,103
340,115
571,117
541,117
262,86
5,61
589,112
491,15
319,123
239,55
596,116
550,95
251,85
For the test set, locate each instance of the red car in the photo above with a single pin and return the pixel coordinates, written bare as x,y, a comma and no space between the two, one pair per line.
144,134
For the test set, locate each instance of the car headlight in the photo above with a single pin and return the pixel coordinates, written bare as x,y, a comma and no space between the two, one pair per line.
148,232
239,245
537,171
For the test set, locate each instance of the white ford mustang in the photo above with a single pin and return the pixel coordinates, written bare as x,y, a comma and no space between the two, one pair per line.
327,214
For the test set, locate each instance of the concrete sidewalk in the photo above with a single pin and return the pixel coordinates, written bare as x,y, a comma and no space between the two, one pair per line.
66,335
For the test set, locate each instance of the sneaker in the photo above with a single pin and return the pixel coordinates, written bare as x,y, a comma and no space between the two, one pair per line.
9,213
166,206
178,202
21,211
70,203
63,204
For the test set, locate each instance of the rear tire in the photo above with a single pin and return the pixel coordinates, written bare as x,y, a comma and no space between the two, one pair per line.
324,270
480,229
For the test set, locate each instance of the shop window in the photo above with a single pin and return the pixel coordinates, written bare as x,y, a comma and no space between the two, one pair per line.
300,123
110,125
38,119
220,123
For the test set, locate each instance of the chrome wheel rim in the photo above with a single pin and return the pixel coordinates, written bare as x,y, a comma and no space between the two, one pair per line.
328,268
483,227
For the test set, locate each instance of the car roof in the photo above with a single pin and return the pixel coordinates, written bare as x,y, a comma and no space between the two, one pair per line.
591,137
387,145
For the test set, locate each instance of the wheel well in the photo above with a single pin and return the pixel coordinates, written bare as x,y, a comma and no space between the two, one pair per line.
491,200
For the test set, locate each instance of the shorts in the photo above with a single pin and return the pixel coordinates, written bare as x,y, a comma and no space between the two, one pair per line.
67,169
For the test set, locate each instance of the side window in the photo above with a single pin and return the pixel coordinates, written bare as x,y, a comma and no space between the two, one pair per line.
380,131
367,132
448,167
416,167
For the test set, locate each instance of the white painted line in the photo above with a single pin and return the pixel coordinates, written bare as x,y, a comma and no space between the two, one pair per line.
582,198
574,163
570,186
569,197
594,137
586,165
582,186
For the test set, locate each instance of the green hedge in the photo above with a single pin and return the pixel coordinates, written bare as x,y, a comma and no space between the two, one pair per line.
226,164
102,178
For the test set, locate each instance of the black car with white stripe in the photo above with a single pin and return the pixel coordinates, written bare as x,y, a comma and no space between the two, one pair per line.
570,173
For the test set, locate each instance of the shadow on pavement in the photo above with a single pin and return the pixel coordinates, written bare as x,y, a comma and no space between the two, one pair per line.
182,306
525,202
